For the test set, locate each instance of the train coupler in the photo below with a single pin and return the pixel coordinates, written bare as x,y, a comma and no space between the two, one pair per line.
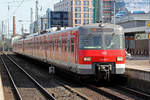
103,72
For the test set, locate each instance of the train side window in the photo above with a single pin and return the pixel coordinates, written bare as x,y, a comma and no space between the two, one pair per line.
72,45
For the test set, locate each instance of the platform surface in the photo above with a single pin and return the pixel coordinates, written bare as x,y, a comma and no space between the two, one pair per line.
138,63
138,67
1,89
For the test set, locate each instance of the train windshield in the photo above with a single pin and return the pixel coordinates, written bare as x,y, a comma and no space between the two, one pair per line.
90,41
114,42
101,40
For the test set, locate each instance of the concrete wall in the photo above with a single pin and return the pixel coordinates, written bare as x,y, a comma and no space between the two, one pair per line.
138,79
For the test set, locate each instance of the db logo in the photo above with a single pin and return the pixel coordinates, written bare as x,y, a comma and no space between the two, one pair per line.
104,53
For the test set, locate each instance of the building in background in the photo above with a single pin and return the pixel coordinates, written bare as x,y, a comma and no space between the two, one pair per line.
81,11
137,33
52,19
133,15
103,10
131,7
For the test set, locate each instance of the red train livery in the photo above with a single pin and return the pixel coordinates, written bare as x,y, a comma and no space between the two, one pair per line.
95,49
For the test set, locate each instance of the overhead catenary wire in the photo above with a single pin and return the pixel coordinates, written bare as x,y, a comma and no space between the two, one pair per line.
14,11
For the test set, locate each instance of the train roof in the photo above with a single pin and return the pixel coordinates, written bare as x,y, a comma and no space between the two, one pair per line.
83,29
93,25
111,28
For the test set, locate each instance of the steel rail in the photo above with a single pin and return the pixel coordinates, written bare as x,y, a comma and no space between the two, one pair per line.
44,91
105,93
19,97
134,92
84,97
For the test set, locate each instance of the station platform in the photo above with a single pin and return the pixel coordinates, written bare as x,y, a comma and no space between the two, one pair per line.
1,88
138,72
138,63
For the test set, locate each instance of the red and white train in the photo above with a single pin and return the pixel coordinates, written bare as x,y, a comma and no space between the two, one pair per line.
91,50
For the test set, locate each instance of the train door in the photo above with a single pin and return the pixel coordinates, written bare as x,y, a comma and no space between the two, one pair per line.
23,46
36,46
24,50
74,46
50,47
45,47
69,47
57,48
26,47
62,48
65,48
33,46
42,47
53,46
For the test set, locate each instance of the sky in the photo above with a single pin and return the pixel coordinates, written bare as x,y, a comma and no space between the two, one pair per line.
21,9
136,5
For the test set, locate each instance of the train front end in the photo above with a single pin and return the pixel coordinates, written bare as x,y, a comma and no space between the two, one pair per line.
101,51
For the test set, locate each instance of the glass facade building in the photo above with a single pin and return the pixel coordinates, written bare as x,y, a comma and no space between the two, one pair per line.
81,10
104,9
124,7
54,19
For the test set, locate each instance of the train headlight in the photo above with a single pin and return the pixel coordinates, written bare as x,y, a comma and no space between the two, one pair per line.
87,58
119,58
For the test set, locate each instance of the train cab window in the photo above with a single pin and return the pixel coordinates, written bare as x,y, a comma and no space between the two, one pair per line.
72,45
90,41
114,42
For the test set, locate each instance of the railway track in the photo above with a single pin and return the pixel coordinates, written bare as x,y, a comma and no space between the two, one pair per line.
143,95
108,92
12,72
73,91
114,92
120,93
